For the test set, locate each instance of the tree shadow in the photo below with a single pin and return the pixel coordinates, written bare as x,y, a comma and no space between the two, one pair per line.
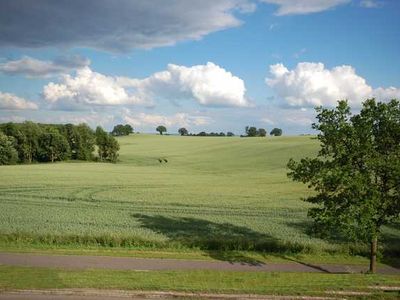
389,244
220,241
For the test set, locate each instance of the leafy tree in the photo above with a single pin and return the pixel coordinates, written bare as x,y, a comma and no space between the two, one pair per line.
262,132
356,173
8,154
19,141
251,131
87,141
53,146
230,133
183,131
202,133
161,129
276,132
120,130
31,132
107,146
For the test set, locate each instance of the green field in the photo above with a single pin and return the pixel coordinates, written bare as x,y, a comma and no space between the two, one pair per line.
214,193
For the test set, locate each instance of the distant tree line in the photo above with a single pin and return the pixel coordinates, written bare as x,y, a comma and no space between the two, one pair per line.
30,142
120,130
252,131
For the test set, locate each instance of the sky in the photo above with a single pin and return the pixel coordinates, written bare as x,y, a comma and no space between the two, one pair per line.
210,65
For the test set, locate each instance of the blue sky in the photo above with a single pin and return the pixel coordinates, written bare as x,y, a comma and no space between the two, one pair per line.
205,65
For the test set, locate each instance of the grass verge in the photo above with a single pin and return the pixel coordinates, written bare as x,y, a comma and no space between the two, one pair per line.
196,281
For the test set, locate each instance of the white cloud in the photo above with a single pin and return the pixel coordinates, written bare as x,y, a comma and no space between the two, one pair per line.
87,88
178,119
32,67
209,85
12,102
114,26
311,84
297,7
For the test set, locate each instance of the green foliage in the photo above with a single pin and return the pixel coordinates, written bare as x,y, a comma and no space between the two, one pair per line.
262,132
161,129
229,133
252,131
8,154
357,171
183,131
120,130
276,132
107,146
53,146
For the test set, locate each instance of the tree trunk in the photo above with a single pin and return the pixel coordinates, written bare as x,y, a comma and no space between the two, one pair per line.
372,261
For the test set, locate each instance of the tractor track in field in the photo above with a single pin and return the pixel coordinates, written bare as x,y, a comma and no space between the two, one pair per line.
153,264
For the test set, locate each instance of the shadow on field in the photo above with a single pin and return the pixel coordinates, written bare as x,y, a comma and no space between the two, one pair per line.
220,241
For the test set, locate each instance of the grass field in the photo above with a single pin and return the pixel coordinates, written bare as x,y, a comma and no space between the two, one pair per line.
302,284
214,193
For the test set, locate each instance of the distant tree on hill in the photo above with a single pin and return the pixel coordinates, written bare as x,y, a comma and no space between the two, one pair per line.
161,129
8,154
183,131
356,173
262,132
120,130
276,132
252,131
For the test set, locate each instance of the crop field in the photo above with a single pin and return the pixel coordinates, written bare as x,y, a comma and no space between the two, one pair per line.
211,193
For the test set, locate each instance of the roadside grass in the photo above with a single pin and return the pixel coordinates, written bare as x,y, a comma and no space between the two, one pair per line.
215,195
199,281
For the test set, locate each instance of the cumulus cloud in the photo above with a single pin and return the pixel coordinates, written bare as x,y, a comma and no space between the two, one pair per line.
12,102
297,7
32,67
114,26
87,88
311,84
209,85
178,119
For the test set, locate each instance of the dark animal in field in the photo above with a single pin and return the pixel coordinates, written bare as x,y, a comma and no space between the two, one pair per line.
165,160
160,160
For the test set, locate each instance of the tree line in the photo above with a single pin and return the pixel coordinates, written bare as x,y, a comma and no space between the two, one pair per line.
30,142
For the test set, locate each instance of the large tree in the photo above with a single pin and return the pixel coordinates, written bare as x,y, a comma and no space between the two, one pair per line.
356,175
276,132
120,130
107,145
161,129
183,131
8,154
53,146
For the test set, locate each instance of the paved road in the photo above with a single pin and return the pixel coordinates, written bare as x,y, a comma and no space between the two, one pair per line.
128,263
93,294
